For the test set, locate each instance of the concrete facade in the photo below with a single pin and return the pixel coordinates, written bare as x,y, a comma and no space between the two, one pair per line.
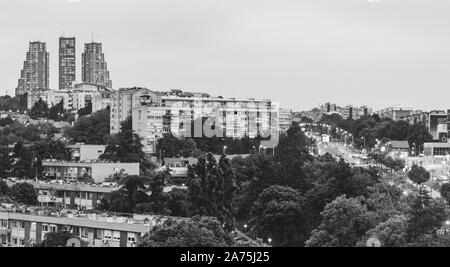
99,171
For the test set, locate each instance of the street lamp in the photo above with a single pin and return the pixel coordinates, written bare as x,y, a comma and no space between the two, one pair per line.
245,228
224,150
270,241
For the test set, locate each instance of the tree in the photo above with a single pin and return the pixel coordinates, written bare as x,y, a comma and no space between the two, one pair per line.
59,239
445,192
344,222
86,178
39,110
391,233
158,200
195,232
418,174
418,134
131,194
290,155
18,103
277,214
6,162
24,193
173,147
92,130
126,146
212,190
178,203
425,216
86,110
23,167
57,112
4,189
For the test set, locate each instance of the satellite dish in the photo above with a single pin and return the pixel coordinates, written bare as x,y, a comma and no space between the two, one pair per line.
373,243
74,243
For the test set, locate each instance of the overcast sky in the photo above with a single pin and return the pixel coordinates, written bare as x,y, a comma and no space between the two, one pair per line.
299,52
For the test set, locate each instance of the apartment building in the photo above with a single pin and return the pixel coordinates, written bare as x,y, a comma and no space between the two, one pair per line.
66,195
75,98
85,153
99,171
35,72
29,225
67,62
178,112
94,68
347,112
285,119
395,113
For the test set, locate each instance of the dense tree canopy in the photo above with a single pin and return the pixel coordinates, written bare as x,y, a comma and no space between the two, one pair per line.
277,214
92,130
212,189
418,174
344,221
194,232
24,193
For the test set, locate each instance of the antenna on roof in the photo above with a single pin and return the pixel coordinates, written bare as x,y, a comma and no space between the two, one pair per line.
92,36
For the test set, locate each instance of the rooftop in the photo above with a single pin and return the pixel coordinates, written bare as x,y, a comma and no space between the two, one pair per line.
400,144
119,222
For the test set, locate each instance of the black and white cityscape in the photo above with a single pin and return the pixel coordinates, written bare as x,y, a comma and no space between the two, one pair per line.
226,124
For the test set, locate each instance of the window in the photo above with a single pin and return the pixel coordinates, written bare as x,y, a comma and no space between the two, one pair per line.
107,235
52,228
131,238
44,228
98,234
4,224
19,225
116,236
84,232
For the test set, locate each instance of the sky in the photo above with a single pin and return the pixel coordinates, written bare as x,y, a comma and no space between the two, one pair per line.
300,53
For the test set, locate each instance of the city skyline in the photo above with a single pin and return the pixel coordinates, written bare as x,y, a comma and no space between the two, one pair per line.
326,51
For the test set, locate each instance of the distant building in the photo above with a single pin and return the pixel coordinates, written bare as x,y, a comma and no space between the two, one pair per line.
51,97
102,100
436,149
395,113
18,117
124,100
347,112
176,112
85,153
285,119
99,171
437,125
67,63
400,146
417,116
35,73
94,66
75,98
